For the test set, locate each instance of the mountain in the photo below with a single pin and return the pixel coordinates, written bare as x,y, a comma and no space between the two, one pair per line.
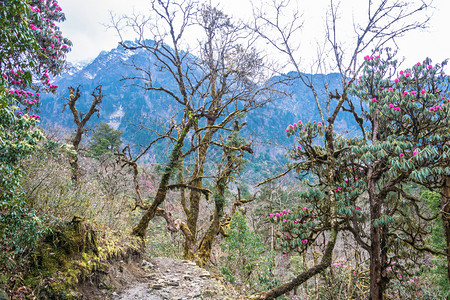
124,104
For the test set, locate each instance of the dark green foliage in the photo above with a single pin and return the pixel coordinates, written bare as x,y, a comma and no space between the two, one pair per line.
105,140
31,45
433,202
247,263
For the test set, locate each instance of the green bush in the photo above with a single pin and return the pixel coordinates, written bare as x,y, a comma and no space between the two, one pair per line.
247,263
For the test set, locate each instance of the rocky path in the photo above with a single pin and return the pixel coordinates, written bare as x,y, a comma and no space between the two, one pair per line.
165,278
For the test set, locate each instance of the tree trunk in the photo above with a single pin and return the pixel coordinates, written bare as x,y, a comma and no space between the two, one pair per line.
204,251
303,277
378,251
195,195
74,165
445,206
141,228
376,293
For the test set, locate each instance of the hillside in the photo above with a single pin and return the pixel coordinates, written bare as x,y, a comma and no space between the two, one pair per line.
125,104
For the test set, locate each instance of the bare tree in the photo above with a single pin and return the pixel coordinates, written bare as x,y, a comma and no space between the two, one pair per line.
215,86
81,119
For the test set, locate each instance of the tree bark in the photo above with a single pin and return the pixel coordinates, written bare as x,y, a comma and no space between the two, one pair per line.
141,228
204,251
303,277
376,292
445,206
194,195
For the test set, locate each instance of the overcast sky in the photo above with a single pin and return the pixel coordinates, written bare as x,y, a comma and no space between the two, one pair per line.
86,19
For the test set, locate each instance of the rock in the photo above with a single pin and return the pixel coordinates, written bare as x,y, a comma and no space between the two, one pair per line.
172,279
151,276
173,283
194,294
189,263
156,286
205,274
147,264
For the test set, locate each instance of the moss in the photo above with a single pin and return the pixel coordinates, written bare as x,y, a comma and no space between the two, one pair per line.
70,254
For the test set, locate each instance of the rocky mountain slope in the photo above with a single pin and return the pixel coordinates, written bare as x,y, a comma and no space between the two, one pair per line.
125,105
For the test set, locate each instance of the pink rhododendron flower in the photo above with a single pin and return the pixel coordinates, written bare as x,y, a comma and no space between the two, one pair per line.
415,152
396,80
391,105
299,147
413,93
397,108
390,89
271,215
401,155
430,66
418,64
401,72
438,107
374,100
405,93
432,109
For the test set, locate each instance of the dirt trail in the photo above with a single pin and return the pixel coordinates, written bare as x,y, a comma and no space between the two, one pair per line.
162,278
